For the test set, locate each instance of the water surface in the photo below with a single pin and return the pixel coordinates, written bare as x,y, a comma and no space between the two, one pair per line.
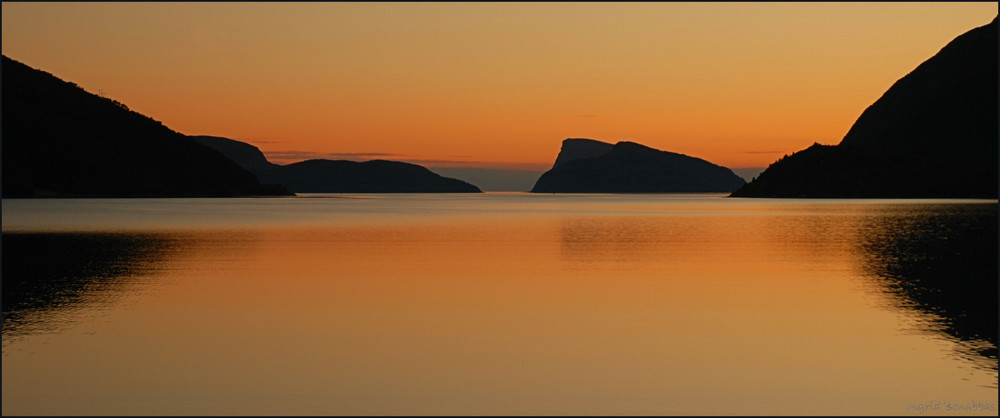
499,303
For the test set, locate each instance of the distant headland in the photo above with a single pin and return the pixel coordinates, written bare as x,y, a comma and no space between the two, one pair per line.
61,141
337,176
590,166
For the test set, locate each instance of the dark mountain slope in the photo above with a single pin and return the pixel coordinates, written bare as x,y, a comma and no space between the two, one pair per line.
245,155
59,140
329,176
633,168
932,134
577,148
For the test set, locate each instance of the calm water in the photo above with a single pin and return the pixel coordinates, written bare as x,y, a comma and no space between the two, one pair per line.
502,303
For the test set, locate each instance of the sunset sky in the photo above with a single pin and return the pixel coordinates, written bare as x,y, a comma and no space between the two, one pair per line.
495,85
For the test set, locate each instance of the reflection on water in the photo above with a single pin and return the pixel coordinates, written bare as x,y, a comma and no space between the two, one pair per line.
49,273
941,261
496,304
619,243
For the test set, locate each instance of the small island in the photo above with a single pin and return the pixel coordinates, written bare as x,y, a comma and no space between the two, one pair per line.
338,176
590,166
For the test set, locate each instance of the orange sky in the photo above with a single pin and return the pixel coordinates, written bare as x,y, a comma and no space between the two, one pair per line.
492,84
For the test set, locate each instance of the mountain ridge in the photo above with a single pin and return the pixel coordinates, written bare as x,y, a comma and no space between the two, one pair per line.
62,141
338,176
577,148
933,133
629,167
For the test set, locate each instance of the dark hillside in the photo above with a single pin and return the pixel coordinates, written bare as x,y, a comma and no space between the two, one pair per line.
59,140
338,176
932,134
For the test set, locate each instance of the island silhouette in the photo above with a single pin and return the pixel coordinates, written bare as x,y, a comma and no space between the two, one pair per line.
591,166
337,176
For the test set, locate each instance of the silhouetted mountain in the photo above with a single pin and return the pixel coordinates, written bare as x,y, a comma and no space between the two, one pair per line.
627,167
577,148
59,140
377,176
932,134
245,155
329,176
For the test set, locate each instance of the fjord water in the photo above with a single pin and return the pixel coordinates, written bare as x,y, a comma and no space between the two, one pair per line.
499,303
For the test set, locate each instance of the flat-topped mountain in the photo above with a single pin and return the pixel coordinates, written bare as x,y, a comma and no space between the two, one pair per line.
589,166
59,140
577,148
932,134
338,176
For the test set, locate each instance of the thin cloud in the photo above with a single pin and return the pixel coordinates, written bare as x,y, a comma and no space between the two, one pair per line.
285,157
439,162
358,154
481,164
289,157
263,140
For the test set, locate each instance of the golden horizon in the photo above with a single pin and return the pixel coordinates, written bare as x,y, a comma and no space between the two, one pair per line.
492,85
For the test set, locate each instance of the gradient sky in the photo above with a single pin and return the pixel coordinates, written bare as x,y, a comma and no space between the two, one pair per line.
491,84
